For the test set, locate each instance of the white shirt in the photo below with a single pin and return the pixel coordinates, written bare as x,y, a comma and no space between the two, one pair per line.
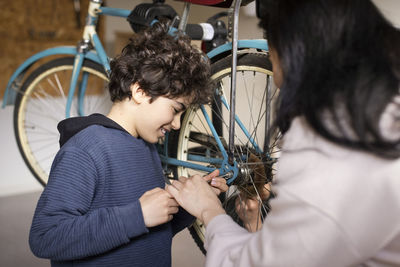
334,207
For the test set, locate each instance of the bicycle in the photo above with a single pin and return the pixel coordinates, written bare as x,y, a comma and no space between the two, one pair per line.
242,144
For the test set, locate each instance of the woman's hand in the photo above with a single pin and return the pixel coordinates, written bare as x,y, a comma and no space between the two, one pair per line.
158,207
196,196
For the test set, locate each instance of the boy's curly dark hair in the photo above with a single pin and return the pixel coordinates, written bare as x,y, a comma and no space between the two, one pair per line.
163,65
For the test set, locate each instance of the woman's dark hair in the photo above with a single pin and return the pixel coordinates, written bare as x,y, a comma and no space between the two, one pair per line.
341,65
163,65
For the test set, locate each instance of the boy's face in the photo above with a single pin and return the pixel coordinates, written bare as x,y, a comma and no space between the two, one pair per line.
160,116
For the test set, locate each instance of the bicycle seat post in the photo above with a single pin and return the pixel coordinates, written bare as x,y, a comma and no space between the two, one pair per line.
91,18
236,7
185,16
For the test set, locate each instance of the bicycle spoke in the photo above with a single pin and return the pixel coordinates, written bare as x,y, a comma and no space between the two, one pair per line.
59,87
42,105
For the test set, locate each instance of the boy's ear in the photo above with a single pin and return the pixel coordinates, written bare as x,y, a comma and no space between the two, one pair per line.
138,95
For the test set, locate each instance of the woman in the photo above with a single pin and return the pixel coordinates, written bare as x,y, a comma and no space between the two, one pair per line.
337,201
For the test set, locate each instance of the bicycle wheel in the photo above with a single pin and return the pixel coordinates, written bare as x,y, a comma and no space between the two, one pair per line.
41,105
255,148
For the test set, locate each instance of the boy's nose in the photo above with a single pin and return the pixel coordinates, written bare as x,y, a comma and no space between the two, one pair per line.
176,122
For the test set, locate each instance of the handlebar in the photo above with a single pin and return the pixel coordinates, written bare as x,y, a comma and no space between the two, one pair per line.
144,15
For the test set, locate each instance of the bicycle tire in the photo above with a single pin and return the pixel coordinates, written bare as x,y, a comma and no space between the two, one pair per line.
41,104
193,140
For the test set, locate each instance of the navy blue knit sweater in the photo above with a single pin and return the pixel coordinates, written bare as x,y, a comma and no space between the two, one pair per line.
89,213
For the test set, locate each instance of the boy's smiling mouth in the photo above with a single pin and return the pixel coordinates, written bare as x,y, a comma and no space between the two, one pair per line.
164,131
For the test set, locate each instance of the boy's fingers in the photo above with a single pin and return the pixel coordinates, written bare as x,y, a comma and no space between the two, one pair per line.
172,203
173,210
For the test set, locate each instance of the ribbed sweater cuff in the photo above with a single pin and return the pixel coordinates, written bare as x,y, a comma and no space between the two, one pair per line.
132,218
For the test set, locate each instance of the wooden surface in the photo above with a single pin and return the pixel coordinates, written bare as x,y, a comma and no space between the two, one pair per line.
29,26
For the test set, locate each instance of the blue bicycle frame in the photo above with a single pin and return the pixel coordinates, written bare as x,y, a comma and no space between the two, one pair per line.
83,51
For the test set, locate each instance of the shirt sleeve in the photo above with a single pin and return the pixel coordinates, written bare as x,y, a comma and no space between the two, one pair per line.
292,235
66,227
334,207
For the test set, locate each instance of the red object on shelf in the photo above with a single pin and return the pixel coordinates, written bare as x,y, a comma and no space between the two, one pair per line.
216,3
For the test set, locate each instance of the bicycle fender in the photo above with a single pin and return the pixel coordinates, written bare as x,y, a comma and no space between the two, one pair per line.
12,86
255,43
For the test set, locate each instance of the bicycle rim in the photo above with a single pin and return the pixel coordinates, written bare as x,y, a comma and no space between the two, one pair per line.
41,105
256,151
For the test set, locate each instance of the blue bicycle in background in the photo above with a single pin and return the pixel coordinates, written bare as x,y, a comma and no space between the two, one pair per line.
233,133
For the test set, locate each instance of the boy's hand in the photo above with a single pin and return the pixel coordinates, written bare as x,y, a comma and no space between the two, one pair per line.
249,211
218,183
158,207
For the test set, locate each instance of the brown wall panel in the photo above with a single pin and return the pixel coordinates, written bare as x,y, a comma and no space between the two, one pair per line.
29,26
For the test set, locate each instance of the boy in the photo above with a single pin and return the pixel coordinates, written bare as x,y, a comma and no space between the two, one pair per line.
104,204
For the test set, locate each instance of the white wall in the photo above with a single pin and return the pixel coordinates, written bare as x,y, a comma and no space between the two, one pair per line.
15,177
391,9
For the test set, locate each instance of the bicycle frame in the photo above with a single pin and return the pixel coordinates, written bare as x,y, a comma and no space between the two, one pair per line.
91,48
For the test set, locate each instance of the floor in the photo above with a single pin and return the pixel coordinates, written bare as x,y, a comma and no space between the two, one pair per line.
15,218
